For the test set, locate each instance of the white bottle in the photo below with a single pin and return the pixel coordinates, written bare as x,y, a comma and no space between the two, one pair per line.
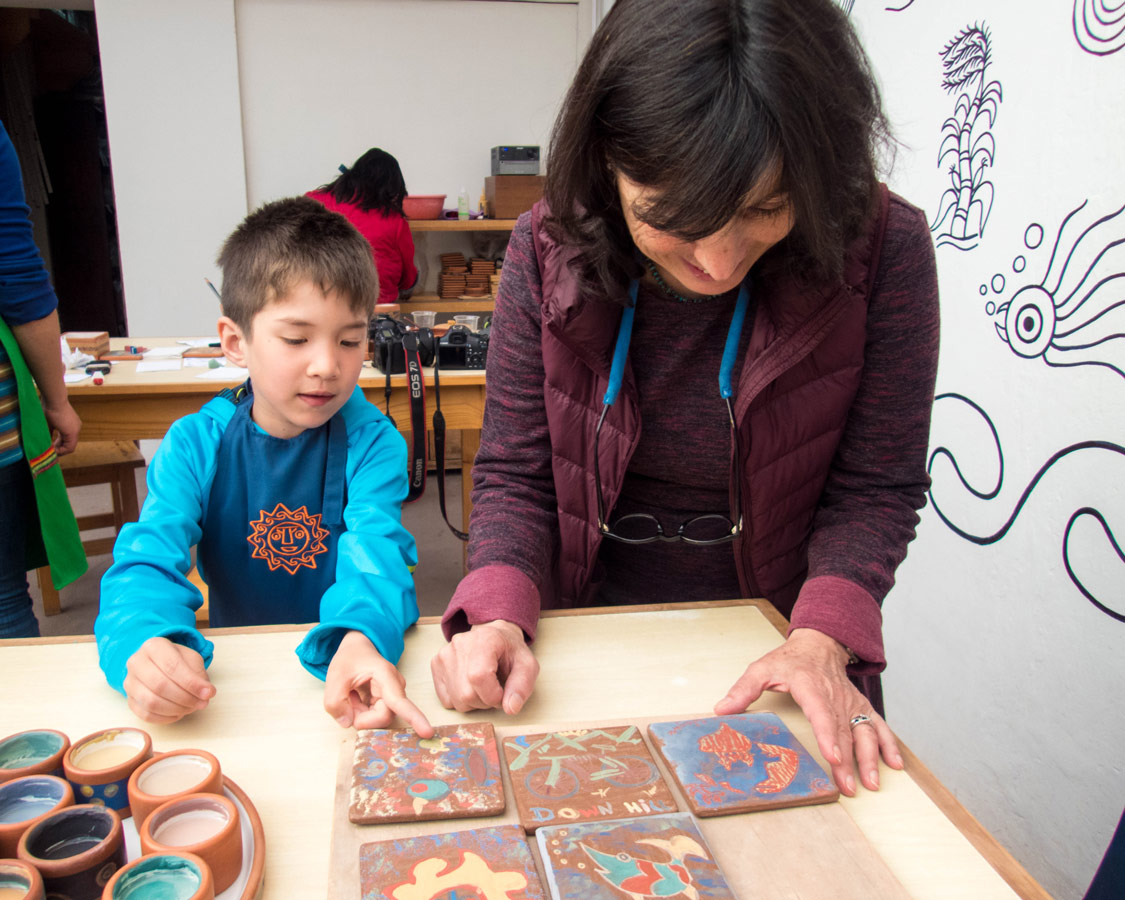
463,204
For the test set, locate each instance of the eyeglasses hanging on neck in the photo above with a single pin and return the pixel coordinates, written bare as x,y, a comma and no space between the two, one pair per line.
644,528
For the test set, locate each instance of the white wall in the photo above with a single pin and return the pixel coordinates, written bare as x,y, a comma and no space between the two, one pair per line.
170,74
436,83
215,106
1002,675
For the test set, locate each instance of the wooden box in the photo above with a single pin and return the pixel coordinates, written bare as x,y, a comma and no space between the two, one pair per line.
509,195
93,342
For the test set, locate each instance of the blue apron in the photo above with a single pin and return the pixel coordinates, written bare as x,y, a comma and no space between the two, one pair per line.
275,514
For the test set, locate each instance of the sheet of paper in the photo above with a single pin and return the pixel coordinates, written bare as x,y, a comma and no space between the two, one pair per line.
75,377
225,373
158,365
199,342
163,352
199,362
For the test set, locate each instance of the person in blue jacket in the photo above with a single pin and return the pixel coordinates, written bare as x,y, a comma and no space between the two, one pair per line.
289,488
37,422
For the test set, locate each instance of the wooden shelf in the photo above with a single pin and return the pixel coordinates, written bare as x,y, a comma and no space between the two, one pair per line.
434,302
417,225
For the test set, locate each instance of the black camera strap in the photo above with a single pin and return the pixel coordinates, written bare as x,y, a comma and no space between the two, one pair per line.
439,449
416,474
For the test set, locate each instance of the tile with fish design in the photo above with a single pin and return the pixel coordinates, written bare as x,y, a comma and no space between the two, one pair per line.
400,777
742,763
479,864
585,774
653,856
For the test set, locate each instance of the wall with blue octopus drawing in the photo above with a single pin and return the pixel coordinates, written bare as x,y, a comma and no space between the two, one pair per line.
1006,630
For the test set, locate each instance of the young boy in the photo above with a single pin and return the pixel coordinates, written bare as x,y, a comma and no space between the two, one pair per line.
289,487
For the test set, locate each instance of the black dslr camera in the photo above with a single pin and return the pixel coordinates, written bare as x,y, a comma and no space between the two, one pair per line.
385,336
460,348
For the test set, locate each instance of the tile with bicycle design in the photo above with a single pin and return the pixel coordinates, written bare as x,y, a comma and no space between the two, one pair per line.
584,774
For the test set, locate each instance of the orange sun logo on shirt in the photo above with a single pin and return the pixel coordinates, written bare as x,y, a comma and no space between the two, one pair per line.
288,539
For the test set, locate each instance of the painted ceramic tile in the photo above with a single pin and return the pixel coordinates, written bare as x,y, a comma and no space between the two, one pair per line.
399,777
603,773
482,864
654,856
727,764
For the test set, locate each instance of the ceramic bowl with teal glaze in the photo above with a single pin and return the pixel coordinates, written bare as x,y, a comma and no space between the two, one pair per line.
38,752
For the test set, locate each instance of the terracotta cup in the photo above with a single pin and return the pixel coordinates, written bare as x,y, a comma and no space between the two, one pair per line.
23,802
76,850
38,752
20,880
170,775
99,766
204,824
162,876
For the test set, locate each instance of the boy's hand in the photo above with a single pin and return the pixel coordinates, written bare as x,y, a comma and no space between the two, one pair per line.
166,681
364,690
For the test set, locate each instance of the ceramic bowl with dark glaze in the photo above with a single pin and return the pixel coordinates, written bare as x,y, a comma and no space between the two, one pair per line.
76,850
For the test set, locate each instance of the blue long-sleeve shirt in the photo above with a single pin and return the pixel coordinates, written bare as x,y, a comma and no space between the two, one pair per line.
26,294
146,594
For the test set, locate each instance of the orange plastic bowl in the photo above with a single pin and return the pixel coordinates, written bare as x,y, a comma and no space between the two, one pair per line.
423,206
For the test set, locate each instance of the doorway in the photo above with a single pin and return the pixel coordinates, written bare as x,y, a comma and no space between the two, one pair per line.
53,107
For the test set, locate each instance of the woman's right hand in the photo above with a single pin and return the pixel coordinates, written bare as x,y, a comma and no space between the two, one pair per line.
489,666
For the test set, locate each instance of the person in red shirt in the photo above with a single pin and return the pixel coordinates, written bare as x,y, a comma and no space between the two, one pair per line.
370,195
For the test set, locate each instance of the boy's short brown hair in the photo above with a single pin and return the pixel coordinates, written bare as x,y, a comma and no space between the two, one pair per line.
288,241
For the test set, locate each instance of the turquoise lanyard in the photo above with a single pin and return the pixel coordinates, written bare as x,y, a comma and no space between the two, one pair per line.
625,334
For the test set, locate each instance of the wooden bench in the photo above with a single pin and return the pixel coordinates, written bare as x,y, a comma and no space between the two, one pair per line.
98,462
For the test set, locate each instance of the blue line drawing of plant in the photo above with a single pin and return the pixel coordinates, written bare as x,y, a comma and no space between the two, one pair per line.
1099,27
898,8
967,140
1084,447
1075,315
846,6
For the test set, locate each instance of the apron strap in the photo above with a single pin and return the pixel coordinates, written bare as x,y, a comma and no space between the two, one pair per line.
335,489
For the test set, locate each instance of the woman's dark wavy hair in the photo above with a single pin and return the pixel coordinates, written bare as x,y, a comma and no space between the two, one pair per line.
701,100
374,181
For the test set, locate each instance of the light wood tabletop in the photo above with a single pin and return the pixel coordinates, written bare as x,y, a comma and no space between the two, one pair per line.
268,729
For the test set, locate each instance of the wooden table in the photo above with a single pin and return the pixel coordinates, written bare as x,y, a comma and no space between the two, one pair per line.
268,729
135,406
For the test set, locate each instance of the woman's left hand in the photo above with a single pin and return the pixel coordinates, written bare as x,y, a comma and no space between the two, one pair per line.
811,667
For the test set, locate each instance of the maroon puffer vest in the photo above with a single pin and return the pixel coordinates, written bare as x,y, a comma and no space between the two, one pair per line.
792,398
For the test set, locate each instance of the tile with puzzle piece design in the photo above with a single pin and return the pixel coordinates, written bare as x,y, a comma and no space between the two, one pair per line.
584,774
741,763
653,856
480,863
400,777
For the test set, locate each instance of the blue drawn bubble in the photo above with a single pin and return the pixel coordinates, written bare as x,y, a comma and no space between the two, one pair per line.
983,289
1033,237
998,283
990,308
1019,264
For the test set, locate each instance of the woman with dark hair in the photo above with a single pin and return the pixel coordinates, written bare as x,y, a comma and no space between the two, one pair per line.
712,363
370,195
